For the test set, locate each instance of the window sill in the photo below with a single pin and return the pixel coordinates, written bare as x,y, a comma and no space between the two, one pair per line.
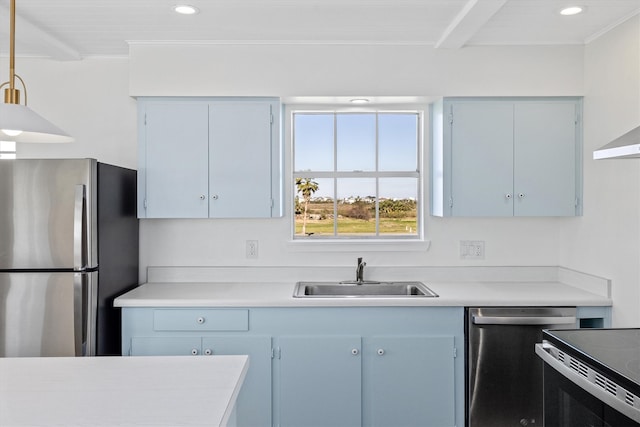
318,245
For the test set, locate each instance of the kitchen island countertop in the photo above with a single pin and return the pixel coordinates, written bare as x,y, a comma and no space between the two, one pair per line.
120,391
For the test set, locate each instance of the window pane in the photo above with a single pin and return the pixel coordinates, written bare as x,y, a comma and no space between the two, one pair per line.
398,207
356,142
313,135
397,139
356,206
8,146
319,207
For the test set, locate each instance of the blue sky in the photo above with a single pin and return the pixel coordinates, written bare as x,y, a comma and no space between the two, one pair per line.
356,139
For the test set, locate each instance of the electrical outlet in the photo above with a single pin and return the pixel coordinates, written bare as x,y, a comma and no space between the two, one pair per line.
472,249
252,249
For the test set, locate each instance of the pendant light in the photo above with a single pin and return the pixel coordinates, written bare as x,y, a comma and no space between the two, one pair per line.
18,122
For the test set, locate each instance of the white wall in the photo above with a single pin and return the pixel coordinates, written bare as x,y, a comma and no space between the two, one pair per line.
606,241
90,99
347,70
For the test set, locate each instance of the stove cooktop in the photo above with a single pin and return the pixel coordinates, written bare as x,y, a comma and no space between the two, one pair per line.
615,352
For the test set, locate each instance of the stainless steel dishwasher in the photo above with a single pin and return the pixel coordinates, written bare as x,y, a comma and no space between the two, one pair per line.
504,375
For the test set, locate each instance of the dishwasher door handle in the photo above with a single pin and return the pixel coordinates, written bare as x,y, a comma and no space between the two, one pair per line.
524,320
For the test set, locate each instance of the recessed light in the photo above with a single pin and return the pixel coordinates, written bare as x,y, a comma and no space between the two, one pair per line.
359,101
185,9
571,10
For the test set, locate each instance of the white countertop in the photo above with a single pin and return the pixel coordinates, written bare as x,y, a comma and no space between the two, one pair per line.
280,294
120,391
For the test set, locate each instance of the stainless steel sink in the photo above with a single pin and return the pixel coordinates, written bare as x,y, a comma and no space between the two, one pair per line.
365,289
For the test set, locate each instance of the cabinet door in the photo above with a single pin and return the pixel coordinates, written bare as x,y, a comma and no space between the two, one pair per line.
409,381
165,346
545,159
253,407
240,159
175,160
319,381
482,159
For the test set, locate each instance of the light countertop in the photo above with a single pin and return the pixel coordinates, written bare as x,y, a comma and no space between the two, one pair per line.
280,294
120,391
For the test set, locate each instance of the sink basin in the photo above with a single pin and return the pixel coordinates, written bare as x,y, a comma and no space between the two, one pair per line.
365,290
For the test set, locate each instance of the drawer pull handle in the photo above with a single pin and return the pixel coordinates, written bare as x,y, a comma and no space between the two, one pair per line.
208,352
194,351
200,320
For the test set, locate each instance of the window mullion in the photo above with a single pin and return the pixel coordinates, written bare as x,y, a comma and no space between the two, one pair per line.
335,170
377,201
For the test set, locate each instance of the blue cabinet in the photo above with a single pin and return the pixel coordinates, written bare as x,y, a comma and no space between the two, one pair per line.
206,332
172,160
253,407
405,370
209,158
506,157
323,366
319,381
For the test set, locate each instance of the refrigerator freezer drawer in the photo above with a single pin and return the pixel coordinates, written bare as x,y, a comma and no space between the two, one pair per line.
47,314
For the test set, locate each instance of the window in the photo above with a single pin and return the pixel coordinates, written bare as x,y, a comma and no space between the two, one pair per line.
356,175
7,150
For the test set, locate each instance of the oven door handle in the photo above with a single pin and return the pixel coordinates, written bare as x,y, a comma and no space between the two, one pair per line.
524,320
585,384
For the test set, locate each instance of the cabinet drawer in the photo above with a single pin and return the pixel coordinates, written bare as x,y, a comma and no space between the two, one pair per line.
201,320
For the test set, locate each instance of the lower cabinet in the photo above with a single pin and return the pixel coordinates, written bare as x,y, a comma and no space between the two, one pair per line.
323,366
416,373
373,381
320,381
253,406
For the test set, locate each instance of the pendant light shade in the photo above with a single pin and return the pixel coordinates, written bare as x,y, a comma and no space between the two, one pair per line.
18,122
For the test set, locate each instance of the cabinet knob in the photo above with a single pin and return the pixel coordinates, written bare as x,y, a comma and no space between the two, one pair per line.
202,197
214,197
521,195
355,351
508,195
380,351
208,352
200,320
194,351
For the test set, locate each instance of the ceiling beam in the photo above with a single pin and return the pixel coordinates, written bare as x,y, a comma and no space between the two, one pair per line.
27,34
467,22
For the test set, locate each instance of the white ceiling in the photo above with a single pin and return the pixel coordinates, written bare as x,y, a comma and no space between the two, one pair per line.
74,29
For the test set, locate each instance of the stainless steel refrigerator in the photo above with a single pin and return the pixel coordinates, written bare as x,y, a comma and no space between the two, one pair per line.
68,247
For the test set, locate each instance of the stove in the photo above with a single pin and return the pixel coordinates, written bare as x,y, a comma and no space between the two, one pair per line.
591,374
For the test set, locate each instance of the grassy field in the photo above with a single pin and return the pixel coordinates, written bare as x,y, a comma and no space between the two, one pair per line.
358,226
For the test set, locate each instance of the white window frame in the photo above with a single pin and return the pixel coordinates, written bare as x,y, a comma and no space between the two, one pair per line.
356,243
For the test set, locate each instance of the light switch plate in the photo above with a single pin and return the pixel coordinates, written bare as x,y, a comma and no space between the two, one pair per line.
472,249
252,249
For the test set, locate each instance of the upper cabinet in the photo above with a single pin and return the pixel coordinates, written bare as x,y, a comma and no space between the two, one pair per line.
506,157
209,158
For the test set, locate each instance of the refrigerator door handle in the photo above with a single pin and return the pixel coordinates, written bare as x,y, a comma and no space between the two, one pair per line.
80,256
84,313
79,310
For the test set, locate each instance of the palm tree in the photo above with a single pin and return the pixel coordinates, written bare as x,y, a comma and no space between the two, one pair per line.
306,187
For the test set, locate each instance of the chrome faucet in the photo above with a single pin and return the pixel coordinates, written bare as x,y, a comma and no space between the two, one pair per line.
360,271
